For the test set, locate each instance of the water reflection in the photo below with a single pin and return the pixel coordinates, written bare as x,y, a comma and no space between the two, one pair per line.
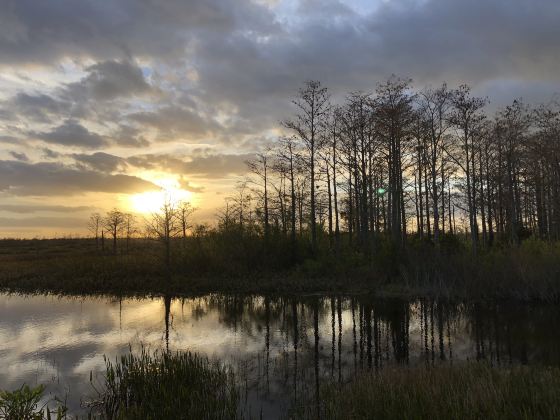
283,348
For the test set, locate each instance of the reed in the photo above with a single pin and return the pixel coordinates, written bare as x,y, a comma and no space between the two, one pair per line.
469,391
28,403
166,385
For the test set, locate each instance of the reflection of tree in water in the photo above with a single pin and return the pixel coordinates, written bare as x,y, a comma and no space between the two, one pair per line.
307,340
505,333
167,304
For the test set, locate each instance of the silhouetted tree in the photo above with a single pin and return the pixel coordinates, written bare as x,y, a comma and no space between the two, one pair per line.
313,104
95,226
114,223
164,225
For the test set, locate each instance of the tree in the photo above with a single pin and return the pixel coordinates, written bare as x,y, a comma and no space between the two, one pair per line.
394,119
95,225
313,104
164,225
466,116
287,162
260,167
129,228
114,224
435,105
241,204
184,212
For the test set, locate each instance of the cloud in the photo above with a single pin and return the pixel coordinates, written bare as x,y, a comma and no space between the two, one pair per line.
50,154
218,165
40,222
186,185
128,136
72,133
205,166
176,122
39,107
19,156
44,32
100,161
52,179
108,80
40,208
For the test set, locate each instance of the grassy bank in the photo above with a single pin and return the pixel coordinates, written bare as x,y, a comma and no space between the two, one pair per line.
528,272
470,391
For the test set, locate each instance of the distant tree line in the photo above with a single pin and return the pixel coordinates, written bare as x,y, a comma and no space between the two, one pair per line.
171,221
387,167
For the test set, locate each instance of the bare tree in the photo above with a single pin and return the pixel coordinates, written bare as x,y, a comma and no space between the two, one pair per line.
241,204
184,212
313,103
95,226
394,117
260,167
164,225
129,229
114,223
435,105
287,162
466,116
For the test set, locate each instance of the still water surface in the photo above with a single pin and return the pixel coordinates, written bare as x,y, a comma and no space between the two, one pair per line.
282,348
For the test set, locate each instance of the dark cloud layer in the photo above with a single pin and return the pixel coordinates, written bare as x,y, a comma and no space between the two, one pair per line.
72,133
109,80
40,208
100,161
206,166
41,221
43,179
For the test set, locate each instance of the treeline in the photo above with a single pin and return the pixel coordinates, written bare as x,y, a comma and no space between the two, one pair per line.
401,163
372,176
171,221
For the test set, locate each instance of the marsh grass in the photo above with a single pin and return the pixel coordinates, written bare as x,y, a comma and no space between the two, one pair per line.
165,385
468,391
28,403
530,272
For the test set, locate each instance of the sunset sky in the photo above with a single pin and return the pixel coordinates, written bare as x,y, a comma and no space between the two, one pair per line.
103,103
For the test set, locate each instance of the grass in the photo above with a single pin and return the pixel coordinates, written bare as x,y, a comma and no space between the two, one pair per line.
25,403
469,391
221,264
166,385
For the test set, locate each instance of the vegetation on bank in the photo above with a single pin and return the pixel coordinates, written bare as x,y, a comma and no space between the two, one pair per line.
468,391
184,386
233,262
167,385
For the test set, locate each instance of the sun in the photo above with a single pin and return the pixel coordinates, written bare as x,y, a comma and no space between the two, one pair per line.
152,201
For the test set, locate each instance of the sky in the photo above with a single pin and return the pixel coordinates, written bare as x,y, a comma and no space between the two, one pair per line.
105,102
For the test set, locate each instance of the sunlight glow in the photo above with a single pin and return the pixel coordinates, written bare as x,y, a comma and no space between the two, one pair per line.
152,201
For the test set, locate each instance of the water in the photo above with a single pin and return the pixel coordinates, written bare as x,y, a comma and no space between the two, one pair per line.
283,348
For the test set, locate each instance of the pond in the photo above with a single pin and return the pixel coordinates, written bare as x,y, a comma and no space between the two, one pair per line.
283,348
